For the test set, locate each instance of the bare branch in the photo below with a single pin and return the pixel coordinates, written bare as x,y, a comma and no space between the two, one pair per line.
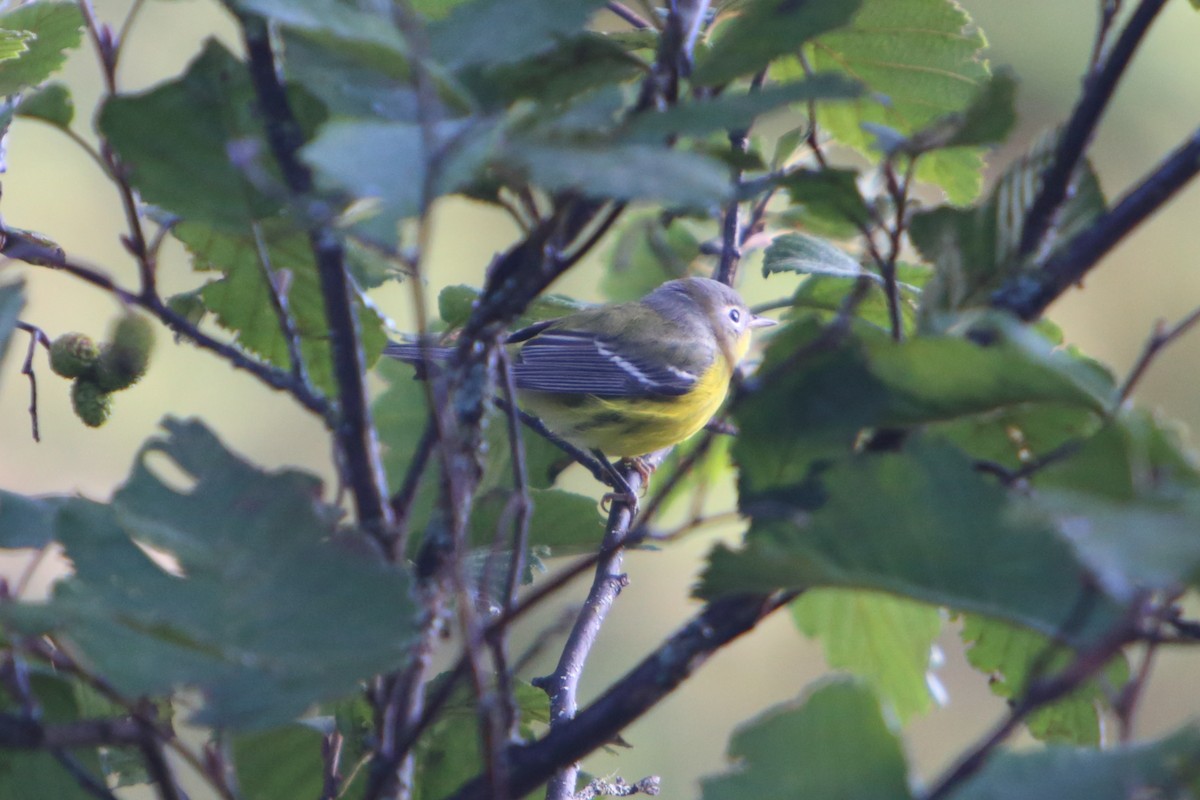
36,336
1159,339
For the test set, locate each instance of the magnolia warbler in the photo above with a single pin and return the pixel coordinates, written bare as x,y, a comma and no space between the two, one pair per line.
629,378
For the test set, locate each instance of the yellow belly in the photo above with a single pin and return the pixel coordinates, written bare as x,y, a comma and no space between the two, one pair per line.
631,427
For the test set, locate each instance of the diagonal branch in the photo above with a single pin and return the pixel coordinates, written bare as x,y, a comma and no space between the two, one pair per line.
354,430
1028,295
1077,135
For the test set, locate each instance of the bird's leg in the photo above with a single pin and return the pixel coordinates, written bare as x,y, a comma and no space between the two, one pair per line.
622,491
643,468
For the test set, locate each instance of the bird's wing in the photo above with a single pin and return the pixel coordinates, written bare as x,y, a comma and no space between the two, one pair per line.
580,362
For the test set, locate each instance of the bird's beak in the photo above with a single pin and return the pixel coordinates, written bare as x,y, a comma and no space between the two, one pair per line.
762,322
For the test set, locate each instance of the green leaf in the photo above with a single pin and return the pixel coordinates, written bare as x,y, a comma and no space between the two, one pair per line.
182,162
12,300
241,299
455,304
828,199
36,775
488,32
827,293
26,521
648,252
806,749
14,43
623,172
808,255
279,764
920,523
974,250
987,121
1008,655
924,58
764,30
1165,768
55,28
395,173
350,79
50,103
562,522
573,66
736,110
261,612
349,21
883,639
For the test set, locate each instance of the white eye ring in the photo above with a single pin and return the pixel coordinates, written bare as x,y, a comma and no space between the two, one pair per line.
735,315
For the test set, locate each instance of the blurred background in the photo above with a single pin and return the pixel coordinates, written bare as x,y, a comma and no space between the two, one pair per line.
53,188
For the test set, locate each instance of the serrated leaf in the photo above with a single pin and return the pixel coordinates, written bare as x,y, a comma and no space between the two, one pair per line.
883,639
974,250
737,110
242,302
830,197
805,749
263,614
924,59
808,255
925,526
55,27
14,43
1008,655
489,32
764,30
51,103
1164,768
986,121
201,115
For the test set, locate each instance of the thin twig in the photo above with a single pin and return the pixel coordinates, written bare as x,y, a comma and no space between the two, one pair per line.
1159,338
31,252
1077,134
36,336
628,14
402,501
1109,10
86,780
277,292
731,228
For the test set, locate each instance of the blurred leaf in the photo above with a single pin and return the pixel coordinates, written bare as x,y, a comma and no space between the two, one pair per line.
806,749
920,60
974,250
242,301
1165,768
885,640
764,30
201,115
648,252
987,121
350,79
1008,655
455,304
925,525
828,292
349,21
12,300
622,172
27,521
1013,437
50,103
502,31
573,66
55,28
395,173
279,764
401,413
828,198
562,522
736,110
262,613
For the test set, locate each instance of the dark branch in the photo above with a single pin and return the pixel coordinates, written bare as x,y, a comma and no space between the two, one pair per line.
1077,135
633,695
1028,295
36,336
354,430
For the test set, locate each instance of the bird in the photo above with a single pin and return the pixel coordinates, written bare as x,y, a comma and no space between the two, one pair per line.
627,379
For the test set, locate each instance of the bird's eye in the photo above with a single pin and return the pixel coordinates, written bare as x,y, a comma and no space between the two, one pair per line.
735,315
